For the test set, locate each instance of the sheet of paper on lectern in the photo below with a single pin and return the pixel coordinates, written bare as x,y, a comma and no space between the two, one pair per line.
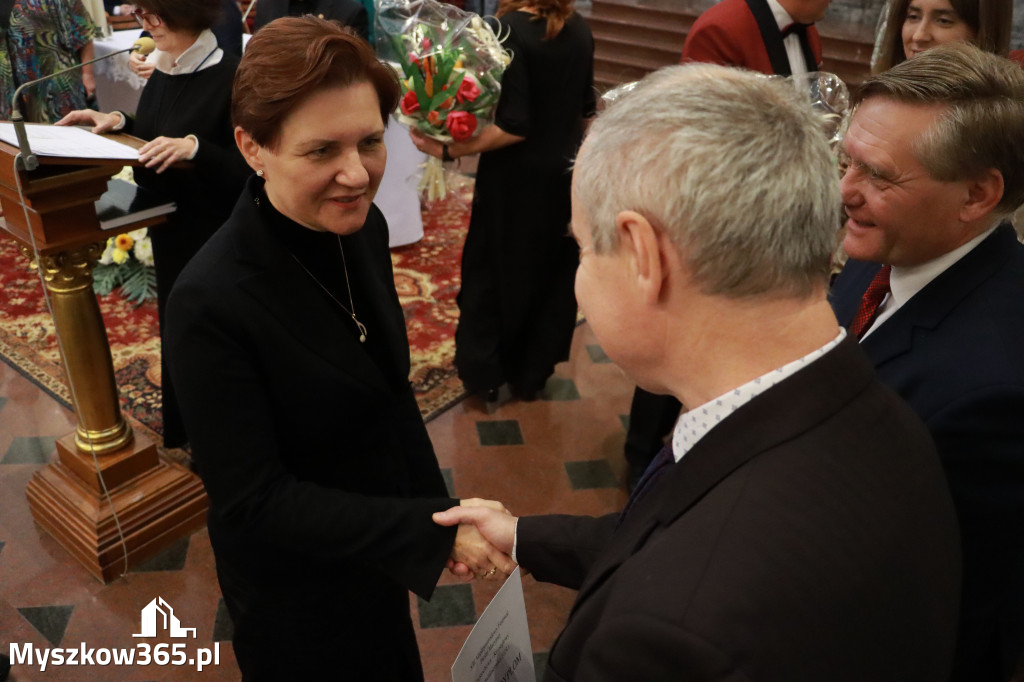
68,141
499,648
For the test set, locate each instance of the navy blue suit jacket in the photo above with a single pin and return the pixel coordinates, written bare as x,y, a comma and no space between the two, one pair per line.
955,352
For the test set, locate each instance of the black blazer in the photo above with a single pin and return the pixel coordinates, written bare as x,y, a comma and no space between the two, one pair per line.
807,537
346,12
320,473
955,352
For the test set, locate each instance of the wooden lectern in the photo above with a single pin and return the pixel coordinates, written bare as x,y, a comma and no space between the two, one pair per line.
156,501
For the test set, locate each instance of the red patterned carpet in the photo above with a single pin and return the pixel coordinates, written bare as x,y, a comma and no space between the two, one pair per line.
426,275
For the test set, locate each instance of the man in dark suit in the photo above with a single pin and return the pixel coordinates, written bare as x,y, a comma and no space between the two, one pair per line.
346,12
761,35
935,148
768,36
798,526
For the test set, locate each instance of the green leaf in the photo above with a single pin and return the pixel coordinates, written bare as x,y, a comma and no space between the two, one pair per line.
442,95
139,285
105,278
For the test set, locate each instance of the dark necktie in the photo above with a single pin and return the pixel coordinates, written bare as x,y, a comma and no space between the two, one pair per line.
655,470
870,302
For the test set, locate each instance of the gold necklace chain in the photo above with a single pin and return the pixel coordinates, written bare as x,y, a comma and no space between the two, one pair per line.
352,309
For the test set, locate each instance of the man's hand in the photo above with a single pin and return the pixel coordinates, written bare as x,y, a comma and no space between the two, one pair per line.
164,151
100,122
480,521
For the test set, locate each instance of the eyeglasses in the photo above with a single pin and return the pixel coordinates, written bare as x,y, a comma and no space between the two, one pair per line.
148,17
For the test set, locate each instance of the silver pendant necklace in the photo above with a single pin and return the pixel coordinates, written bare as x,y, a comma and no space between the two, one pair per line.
351,310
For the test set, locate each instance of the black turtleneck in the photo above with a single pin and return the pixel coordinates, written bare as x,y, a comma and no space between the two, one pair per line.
320,255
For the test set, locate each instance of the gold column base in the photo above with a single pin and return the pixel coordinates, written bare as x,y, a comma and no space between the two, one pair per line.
104,441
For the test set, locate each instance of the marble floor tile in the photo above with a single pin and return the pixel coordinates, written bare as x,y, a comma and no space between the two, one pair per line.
520,453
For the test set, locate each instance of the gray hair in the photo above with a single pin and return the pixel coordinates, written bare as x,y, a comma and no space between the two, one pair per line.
982,125
731,165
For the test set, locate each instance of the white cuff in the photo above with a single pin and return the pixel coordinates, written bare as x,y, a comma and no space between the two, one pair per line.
120,125
515,541
196,150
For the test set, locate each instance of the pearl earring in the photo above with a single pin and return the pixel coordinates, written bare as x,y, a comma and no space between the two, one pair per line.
259,173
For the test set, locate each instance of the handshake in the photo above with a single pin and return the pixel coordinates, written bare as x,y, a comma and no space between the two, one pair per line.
484,540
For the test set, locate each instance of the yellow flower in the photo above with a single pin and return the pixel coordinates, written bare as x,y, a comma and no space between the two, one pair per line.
124,242
119,256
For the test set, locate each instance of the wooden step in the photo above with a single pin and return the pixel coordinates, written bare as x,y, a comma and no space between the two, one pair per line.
658,39
630,52
674,20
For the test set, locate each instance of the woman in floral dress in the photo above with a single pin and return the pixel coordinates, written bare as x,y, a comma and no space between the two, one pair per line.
38,38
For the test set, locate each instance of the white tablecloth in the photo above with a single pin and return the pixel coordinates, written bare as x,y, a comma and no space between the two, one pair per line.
117,88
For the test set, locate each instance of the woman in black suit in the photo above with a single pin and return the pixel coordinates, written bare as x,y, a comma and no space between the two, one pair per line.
288,346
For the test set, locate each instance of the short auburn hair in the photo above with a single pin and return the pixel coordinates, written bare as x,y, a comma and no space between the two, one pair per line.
291,58
189,16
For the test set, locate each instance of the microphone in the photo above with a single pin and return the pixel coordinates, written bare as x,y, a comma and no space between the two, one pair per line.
25,159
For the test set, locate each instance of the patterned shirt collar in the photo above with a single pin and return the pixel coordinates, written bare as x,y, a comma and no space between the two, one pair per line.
695,424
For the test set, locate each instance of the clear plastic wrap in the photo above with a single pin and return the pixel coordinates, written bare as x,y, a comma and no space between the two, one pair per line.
450,64
828,95
830,98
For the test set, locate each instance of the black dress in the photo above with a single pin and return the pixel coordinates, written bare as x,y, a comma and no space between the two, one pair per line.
517,306
205,190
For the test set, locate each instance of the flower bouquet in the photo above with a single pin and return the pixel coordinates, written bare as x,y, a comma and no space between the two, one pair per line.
450,64
127,263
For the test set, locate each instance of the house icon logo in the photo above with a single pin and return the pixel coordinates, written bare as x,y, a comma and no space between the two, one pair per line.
159,613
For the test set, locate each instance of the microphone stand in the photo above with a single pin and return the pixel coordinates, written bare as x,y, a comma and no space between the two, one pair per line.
26,160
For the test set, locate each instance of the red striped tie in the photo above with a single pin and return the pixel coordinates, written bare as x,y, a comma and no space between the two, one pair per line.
870,302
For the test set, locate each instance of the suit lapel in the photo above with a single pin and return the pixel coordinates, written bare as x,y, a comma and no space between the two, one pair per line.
930,306
305,312
770,36
811,396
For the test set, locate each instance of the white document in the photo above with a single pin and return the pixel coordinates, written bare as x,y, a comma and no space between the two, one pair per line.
498,649
71,141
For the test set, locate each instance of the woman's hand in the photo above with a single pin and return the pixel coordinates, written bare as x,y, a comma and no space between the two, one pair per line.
425,144
100,122
478,556
89,83
139,66
164,151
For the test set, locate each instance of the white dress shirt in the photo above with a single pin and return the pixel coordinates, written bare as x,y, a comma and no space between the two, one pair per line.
905,281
